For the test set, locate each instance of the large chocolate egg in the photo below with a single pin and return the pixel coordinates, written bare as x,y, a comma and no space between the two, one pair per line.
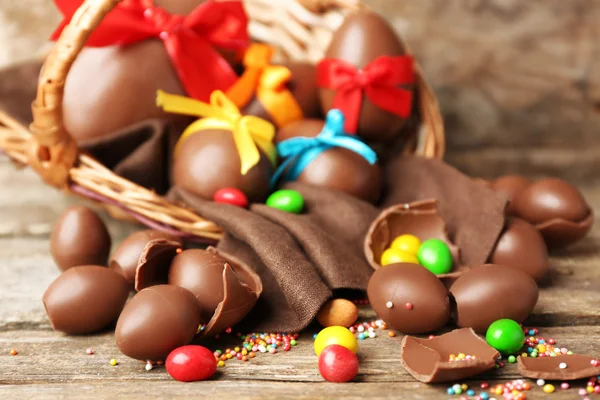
521,246
337,168
85,299
79,237
156,321
363,37
125,259
226,289
491,292
557,209
303,86
510,186
409,298
208,161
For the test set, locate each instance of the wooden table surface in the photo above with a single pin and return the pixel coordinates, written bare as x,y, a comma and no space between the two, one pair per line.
51,365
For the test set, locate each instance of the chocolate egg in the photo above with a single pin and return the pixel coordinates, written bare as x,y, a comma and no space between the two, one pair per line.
409,298
521,246
85,299
208,161
337,168
156,321
363,37
510,186
303,86
226,289
125,259
79,237
557,209
488,293
155,262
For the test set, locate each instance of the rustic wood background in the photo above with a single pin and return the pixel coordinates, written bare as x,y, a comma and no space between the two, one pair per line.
519,85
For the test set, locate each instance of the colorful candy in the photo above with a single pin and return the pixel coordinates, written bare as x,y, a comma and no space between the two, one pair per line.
338,364
407,243
286,200
506,336
232,196
335,335
338,312
191,363
435,255
394,256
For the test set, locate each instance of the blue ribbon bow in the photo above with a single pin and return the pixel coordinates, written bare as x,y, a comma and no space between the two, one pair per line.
298,152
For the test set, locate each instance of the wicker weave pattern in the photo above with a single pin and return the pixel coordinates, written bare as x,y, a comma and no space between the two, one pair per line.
300,29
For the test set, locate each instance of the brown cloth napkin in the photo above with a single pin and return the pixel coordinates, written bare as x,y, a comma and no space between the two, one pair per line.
302,259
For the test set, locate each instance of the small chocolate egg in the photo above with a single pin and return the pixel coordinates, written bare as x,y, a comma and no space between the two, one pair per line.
226,289
303,86
557,209
125,259
521,246
79,237
409,298
487,293
156,321
85,299
510,186
208,161
363,37
337,168
338,312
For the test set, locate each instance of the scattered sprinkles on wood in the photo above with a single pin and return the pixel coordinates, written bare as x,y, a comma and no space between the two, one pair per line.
13,352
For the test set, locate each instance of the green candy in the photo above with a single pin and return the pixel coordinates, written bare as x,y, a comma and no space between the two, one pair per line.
435,255
506,336
286,200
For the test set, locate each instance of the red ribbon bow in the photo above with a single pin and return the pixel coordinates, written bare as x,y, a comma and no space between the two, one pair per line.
379,81
188,39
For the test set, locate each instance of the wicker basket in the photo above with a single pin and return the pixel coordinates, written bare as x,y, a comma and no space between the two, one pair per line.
299,29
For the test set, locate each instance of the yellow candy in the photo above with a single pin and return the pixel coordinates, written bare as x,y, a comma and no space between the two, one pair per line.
408,243
393,256
548,388
335,335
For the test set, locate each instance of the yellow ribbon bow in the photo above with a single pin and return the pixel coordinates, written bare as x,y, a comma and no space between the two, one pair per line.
248,131
268,82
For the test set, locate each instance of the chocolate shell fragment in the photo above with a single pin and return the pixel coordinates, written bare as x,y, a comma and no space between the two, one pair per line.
574,366
427,360
154,263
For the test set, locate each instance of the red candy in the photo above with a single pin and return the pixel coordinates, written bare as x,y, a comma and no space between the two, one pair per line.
338,364
232,196
191,363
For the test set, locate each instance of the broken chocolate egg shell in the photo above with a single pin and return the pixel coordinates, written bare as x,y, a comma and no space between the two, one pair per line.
421,219
225,288
155,262
125,259
577,367
486,293
79,237
521,246
85,299
427,360
557,209
363,37
156,321
409,298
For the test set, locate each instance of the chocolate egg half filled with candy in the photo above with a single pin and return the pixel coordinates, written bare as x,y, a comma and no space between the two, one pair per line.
521,246
319,153
223,149
488,293
557,209
409,298
510,186
156,321
85,299
226,289
137,50
368,74
125,258
79,237
280,94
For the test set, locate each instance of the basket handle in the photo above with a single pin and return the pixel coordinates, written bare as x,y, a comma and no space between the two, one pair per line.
55,151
